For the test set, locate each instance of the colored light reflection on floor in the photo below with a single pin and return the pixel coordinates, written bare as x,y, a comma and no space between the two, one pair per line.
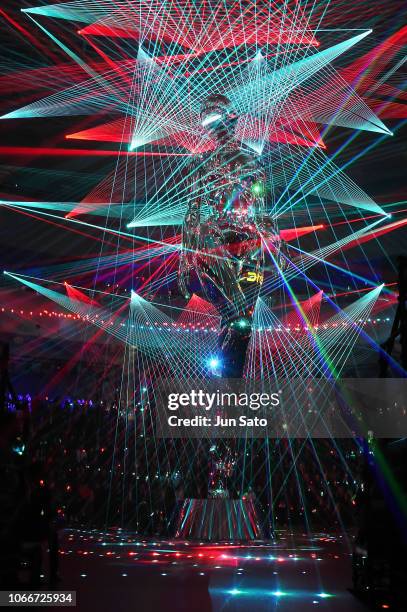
294,572
258,593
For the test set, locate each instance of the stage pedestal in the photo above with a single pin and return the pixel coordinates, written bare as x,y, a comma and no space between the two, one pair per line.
219,519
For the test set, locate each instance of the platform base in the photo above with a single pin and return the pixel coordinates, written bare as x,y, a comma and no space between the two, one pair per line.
219,519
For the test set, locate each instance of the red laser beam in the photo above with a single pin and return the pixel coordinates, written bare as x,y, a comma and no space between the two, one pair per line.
53,151
75,294
297,232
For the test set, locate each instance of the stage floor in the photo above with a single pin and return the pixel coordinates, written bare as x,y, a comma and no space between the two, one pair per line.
121,572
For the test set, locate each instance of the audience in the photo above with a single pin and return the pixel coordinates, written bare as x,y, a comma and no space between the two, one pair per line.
68,462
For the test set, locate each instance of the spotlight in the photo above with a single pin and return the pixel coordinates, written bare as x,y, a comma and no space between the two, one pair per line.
241,323
214,363
257,188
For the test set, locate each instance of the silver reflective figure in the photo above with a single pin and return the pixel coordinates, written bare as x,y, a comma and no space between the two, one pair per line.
224,231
